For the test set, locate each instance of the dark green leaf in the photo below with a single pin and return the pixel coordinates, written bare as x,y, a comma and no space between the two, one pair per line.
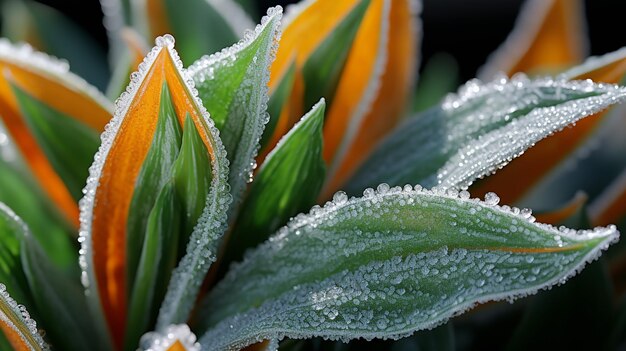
277,101
439,77
323,68
288,183
154,174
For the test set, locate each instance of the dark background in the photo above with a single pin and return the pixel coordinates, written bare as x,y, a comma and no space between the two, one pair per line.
467,29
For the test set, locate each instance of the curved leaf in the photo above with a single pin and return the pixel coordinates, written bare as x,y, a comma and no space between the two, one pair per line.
388,264
233,87
481,129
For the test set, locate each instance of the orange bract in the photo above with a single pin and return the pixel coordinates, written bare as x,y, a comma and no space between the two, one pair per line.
177,346
14,338
117,180
54,92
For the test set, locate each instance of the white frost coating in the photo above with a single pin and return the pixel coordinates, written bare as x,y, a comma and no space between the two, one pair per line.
369,95
494,150
233,14
594,62
23,55
250,100
18,312
155,341
525,30
211,223
503,117
338,273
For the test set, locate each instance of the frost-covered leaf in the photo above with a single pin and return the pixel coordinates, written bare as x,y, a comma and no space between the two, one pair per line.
287,183
202,26
480,129
548,36
49,81
388,264
233,87
111,183
546,164
15,322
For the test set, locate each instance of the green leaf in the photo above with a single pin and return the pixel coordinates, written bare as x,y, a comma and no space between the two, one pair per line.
439,77
14,317
158,259
288,183
154,174
277,101
323,68
69,144
472,134
191,174
52,32
11,273
233,87
22,194
60,300
388,264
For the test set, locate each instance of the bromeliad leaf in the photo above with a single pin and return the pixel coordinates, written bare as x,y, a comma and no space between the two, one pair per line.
106,207
233,87
481,129
388,264
288,182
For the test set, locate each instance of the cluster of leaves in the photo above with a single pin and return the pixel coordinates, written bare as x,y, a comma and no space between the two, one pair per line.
164,228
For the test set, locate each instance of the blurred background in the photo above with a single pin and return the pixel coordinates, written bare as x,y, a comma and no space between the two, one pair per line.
468,30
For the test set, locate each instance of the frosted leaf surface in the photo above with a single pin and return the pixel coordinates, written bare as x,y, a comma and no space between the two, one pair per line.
480,129
165,341
14,316
387,264
233,87
202,246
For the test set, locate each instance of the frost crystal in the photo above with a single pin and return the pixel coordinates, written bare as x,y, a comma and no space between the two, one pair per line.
173,334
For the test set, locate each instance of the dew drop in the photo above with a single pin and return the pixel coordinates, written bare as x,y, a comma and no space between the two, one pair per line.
491,199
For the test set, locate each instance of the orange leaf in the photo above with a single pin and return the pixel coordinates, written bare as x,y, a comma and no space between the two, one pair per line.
515,180
110,188
549,35
373,93
49,81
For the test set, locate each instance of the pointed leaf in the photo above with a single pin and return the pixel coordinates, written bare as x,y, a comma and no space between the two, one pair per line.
546,159
481,129
68,144
158,259
388,264
233,87
110,186
323,68
15,322
203,26
548,36
287,183
374,93
154,174
48,80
